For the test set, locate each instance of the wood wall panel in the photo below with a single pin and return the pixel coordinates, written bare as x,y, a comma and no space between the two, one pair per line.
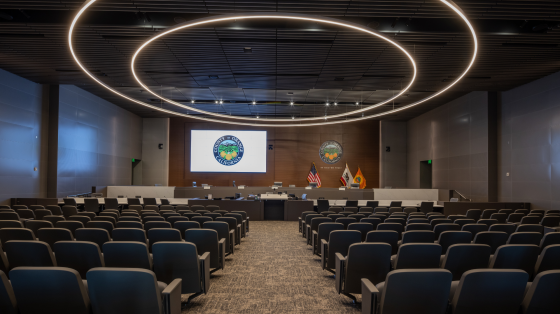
290,160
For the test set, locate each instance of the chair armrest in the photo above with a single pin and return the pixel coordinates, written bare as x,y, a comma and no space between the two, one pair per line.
172,297
222,251
340,263
231,240
314,244
370,295
205,271
324,252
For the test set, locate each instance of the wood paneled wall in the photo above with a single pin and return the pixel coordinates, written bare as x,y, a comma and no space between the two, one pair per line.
290,160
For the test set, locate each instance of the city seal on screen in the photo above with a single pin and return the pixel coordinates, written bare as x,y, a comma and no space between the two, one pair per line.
330,152
228,150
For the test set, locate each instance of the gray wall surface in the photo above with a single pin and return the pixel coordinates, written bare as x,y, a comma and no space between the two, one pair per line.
529,144
393,164
455,137
20,138
155,161
96,142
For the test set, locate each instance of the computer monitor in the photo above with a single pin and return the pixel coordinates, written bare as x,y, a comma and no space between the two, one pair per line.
304,196
278,183
313,184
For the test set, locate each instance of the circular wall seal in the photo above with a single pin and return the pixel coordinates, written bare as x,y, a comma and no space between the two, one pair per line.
228,150
330,152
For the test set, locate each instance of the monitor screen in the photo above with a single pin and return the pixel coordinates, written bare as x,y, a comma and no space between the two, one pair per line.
228,151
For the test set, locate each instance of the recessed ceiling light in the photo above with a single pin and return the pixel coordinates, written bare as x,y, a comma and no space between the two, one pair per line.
216,101
192,101
221,101
357,103
291,103
257,117
336,104
254,102
327,104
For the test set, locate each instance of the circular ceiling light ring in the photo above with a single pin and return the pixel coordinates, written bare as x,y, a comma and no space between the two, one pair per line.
450,4
271,15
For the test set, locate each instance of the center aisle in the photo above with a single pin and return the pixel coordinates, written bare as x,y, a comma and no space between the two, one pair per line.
272,271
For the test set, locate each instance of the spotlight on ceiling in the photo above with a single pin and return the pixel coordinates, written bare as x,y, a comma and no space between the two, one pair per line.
216,102
357,103
291,103
192,101
221,102
254,102
327,104
336,104
248,50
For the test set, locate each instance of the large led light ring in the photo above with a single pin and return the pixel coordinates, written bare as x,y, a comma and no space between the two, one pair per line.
450,4
267,15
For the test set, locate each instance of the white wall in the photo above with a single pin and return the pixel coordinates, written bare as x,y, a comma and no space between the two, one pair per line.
155,161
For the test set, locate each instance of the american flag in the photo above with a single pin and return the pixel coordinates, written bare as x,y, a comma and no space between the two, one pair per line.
313,176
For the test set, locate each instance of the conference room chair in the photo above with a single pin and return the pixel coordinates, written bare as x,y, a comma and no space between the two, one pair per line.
4,264
417,215
126,254
380,210
372,221
426,207
417,236
133,201
550,221
346,221
112,203
506,211
438,221
5,207
206,240
366,210
182,207
129,224
434,213
91,205
70,225
426,291
315,222
136,207
530,220
130,235
358,217
232,225
500,217
132,291
515,218
442,227
549,259
107,213
418,226
345,213
96,235
494,239
153,218
151,207
336,209
395,210
16,207
533,238
401,221
322,205
156,224
109,226
487,213
364,260
87,214
202,219
488,291
378,216
339,242
538,211
25,213
11,234
180,260
29,253
212,208
474,229
133,219
150,213
173,219
129,213
461,258
327,213
503,227
223,211
474,214
194,208
417,256
212,215
542,294
78,255
11,216
418,221
449,238
35,207
68,210
530,228
191,215
167,208
307,222
398,215
149,201
11,224
53,235
49,290
352,203
164,201
322,233
35,225
163,235
391,226
222,228
301,220
70,202
434,217
167,214
396,204
372,204
83,219
352,209
105,218
55,210
550,238
455,217
410,210
8,302
334,217
516,256
364,228
5,210
41,213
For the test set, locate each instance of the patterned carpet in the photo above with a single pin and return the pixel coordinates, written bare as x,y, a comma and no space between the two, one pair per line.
272,271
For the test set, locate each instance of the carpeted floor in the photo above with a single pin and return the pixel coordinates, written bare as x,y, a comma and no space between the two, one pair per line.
272,271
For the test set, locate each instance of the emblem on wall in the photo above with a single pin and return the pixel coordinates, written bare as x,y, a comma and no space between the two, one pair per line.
228,150
330,152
